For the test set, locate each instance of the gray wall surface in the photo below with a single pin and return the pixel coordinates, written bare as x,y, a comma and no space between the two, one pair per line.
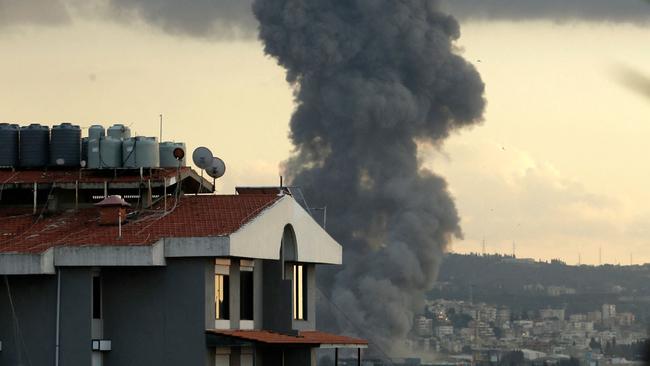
34,299
76,317
157,316
277,313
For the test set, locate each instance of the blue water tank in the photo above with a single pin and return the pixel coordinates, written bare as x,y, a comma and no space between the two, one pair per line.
65,145
9,145
110,152
141,152
34,146
95,133
119,131
167,158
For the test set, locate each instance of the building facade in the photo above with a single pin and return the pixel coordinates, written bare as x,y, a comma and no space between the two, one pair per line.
182,279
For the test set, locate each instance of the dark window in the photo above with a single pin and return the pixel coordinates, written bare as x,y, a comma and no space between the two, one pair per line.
299,292
246,295
222,296
97,297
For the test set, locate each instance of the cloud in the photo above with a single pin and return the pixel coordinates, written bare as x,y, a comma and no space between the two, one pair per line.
505,194
199,18
632,11
33,12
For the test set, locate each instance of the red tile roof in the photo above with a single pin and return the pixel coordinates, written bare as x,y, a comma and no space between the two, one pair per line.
304,337
194,216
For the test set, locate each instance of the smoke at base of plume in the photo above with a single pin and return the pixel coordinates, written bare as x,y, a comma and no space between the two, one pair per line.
371,78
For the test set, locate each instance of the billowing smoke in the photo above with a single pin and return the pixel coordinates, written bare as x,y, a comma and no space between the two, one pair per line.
634,80
373,79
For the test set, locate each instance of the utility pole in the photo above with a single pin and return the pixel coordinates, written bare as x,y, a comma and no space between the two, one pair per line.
600,256
484,247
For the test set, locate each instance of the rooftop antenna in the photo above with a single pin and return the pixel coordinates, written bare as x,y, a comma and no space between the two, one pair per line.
161,125
484,247
600,256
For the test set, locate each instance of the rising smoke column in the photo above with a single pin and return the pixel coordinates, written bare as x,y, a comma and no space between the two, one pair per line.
373,78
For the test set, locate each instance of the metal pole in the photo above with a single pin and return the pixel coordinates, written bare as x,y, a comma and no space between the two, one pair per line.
358,356
325,217
105,189
58,317
336,357
35,195
161,123
165,193
119,224
76,195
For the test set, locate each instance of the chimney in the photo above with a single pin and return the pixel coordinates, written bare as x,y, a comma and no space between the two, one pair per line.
112,210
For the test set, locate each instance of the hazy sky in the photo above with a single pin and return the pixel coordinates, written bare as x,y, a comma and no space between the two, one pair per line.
560,164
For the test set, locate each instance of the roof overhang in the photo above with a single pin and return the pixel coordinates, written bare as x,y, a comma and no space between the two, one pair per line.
313,339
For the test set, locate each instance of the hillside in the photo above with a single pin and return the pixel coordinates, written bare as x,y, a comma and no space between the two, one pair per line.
525,285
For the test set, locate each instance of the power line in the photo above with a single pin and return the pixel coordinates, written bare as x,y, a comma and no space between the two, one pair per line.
358,329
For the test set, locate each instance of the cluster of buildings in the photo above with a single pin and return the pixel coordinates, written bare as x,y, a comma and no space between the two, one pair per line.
468,332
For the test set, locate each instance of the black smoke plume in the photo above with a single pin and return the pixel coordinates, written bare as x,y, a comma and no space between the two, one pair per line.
373,78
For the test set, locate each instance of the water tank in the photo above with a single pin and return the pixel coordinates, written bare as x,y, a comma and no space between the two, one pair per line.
119,131
167,159
9,145
141,152
65,145
84,152
110,152
34,146
95,133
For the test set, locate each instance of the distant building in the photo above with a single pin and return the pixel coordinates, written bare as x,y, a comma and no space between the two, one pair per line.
608,311
595,316
551,314
424,326
625,319
444,331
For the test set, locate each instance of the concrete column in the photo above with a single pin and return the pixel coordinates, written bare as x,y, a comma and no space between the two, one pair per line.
234,293
258,293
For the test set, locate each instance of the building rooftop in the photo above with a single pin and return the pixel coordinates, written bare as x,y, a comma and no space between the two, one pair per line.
89,179
191,216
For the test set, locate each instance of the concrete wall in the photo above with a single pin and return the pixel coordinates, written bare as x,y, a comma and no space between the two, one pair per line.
158,316
76,317
34,299
277,312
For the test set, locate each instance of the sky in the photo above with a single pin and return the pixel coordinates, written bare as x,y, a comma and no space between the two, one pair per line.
559,165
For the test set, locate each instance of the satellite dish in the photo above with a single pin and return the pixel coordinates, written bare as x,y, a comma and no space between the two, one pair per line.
202,157
216,169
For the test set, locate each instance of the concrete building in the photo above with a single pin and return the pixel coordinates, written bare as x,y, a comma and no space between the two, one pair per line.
558,314
608,311
177,278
